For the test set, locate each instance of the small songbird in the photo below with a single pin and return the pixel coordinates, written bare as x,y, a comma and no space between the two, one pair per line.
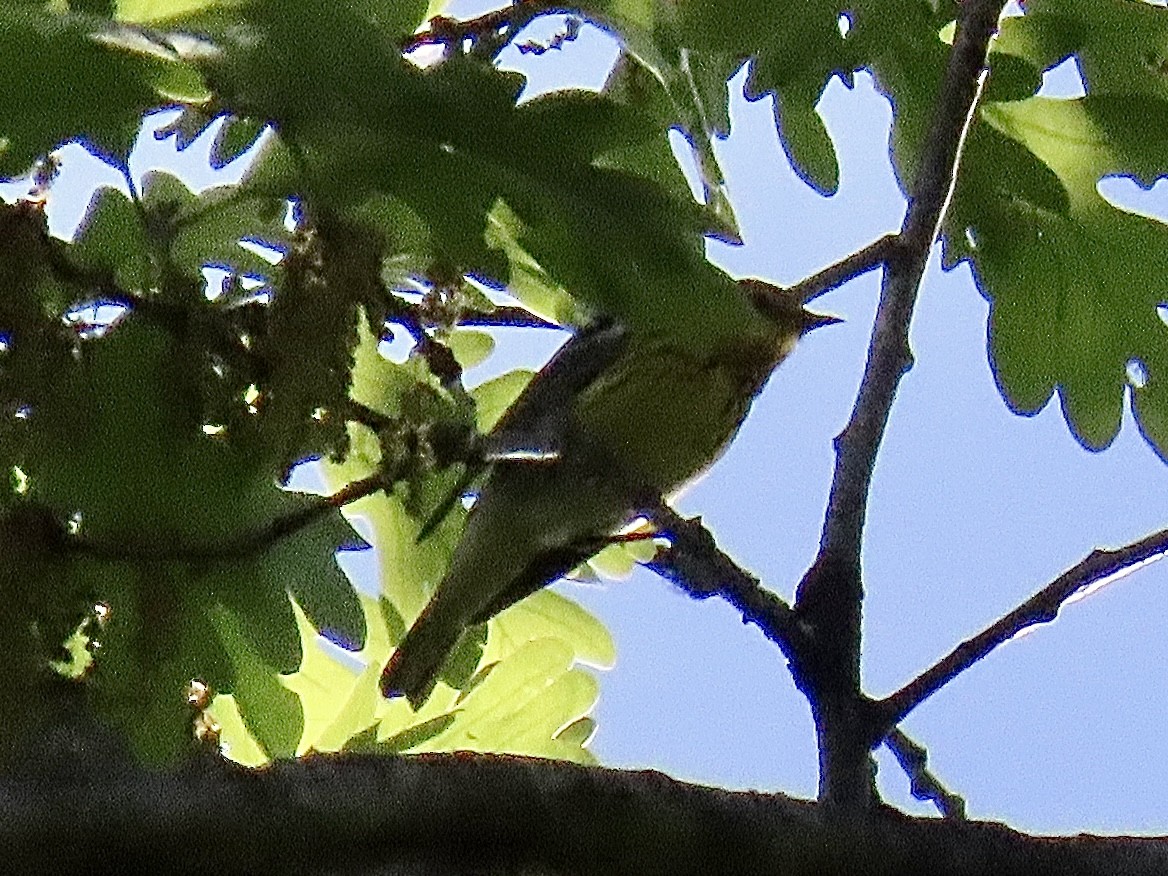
616,416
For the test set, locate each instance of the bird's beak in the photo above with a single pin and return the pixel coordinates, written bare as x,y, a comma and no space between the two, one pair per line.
812,320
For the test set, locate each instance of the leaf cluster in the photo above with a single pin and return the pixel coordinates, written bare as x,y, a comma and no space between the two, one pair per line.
148,420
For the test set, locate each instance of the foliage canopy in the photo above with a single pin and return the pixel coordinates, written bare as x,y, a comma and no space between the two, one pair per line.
146,450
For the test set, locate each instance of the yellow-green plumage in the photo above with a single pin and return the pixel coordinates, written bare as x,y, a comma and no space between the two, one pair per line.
657,415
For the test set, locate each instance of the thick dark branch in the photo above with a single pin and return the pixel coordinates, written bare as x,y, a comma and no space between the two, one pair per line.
466,813
694,563
1043,607
888,353
830,596
914,760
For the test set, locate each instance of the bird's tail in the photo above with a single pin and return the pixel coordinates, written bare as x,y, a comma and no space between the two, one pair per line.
413,669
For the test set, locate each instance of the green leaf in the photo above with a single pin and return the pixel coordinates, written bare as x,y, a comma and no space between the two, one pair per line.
579,732
689,94
157,11
204,229
63,79
380,384
235,137
42,604
157,637
470,347
174,550
521,706
1121,46
807,142
450,143
271,712
1065,320
336,706
104,8
493,397
411,737
795,50
680,87
409,569
619,559
527,280
548,615
396,18
326,595
112,238
235,741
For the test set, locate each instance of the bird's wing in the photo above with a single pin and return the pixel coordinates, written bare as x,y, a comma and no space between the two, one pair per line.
534,426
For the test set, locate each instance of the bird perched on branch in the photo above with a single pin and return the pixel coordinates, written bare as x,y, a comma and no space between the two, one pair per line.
616,419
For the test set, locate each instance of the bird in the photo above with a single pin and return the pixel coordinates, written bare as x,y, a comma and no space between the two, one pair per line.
615,418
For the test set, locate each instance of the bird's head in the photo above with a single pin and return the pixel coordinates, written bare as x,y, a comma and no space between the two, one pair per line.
785,311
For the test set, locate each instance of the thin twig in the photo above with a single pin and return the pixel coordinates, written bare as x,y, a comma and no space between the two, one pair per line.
367,416
874,255
914,760
506,316
569,34
1042,607
447,31
248,545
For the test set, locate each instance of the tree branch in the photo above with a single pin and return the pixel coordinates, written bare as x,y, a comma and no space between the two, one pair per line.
462,812
914,760
506,316
830,596
249,544
694,563
1043,607
449,31
889,357
875,254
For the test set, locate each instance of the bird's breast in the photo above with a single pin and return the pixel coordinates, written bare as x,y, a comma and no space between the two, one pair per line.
667,414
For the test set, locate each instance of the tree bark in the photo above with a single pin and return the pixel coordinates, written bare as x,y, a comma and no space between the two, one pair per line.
465,813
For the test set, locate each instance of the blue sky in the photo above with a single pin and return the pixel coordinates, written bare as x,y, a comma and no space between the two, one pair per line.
973,509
